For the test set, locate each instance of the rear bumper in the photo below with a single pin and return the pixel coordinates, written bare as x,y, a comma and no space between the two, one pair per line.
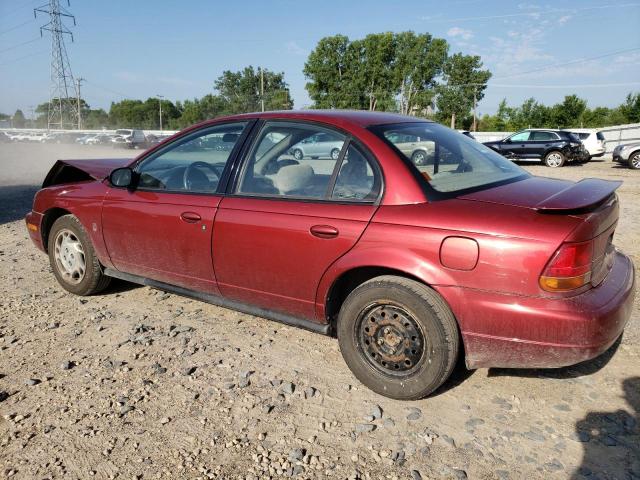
511,331
33,221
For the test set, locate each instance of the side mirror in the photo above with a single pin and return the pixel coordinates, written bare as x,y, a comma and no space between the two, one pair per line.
121,177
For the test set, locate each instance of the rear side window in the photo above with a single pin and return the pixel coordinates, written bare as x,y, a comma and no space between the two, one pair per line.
600,136
543,136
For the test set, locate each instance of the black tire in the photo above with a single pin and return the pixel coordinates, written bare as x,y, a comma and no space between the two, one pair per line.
297,154
554,159
419,157
335,154
634,160
433,329
93,280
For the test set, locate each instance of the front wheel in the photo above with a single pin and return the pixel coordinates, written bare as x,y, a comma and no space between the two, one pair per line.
297,154
634,161
554,159
419,157
335,153
398,337
72,258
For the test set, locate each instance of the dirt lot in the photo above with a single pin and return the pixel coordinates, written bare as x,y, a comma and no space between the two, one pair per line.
137,383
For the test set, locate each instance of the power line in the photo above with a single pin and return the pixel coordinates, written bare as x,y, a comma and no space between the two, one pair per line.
17,26
107,89
20,44
23,57
571,62
24,4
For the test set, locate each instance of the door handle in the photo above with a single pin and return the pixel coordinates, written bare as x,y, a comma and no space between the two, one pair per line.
324,231
190,217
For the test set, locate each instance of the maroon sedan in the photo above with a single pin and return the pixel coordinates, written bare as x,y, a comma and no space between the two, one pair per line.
411,264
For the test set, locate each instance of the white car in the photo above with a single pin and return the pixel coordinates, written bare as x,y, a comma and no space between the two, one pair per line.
592,139
320,145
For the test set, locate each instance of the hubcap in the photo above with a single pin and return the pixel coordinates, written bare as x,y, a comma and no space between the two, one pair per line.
69,256
335,154
635,161
554,160
390,338
418,158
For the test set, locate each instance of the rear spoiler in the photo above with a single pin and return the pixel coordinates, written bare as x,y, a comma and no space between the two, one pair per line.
585,195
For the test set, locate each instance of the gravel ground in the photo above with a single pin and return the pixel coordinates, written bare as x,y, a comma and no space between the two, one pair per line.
138,383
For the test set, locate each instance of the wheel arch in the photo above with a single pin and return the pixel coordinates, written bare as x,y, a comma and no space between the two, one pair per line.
49,218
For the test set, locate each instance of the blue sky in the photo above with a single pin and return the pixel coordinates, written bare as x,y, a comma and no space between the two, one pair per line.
137,49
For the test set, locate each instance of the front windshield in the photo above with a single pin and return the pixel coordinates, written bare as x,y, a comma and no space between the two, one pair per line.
448,161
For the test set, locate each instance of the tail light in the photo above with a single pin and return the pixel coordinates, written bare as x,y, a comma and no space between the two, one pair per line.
569,268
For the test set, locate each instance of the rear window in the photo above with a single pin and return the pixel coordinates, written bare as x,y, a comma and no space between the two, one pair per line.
446,161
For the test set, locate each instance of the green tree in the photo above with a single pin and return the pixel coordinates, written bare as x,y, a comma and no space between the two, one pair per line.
326,69
18,119
419,59
464,80
631,108
568,113
242,90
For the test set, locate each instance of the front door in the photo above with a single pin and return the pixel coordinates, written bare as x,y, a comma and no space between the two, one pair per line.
162,228
288,220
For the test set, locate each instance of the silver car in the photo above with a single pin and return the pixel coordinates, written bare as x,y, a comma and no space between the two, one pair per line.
628,154
320,145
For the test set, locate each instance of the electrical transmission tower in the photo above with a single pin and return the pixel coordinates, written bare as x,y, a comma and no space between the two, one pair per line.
64,109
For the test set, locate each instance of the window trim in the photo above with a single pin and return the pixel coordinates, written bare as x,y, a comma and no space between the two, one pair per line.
186,137
242,161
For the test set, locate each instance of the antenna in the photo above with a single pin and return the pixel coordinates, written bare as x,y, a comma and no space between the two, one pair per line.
63,92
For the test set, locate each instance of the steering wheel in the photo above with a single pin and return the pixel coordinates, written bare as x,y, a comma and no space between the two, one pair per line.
192,176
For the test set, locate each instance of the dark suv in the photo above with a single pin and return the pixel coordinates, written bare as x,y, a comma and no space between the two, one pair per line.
553,147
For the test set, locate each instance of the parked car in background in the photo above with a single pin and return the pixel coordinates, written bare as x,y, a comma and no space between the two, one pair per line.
132,138
100,139
322,145
467,133
411,267
418,150
85,138
553,147
628,154
592,139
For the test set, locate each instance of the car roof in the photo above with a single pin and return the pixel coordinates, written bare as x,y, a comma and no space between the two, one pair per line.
581,130
354,117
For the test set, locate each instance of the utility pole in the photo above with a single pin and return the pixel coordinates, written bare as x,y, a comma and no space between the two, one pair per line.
160,97
475,105
61,93
78,81
33,116
262,88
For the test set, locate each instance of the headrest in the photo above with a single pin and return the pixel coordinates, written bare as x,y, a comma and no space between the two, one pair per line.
292,177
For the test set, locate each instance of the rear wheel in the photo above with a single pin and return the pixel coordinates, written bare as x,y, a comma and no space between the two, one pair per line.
554,159
398,337
73,259
634,160
335,153
419,157
297,154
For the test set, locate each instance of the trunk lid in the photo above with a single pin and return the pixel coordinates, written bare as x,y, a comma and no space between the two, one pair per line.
593,201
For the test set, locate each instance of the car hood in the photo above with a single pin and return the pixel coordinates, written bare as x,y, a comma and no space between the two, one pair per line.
68,171
548,194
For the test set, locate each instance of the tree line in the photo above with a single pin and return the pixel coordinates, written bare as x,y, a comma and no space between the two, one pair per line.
406,72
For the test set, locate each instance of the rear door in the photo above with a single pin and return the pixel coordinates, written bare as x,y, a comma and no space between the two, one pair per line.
162,228
285,220
540,142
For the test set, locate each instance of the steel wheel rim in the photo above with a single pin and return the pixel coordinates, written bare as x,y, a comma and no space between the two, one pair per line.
635,160
554,159
335,153
69,256
297,154
390,339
